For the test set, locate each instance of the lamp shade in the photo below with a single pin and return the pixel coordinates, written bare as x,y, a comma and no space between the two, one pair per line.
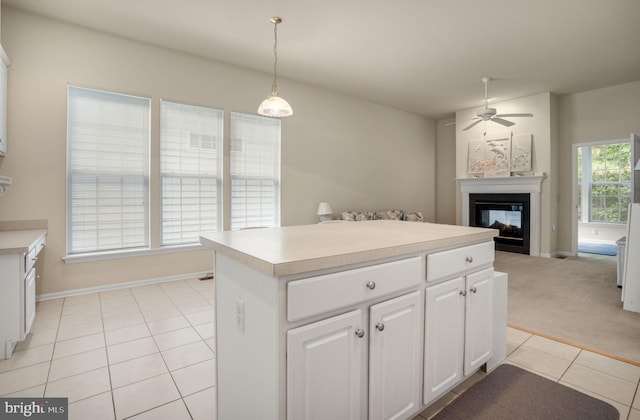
324,211
275,106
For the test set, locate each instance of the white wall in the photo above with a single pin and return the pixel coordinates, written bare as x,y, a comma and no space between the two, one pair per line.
541,126
356,155
446,172
592,116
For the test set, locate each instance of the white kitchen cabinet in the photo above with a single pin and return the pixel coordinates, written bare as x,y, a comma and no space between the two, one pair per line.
459,323
394,357
444,337
18,293
325,374
4,63
478,320
324,369
328,321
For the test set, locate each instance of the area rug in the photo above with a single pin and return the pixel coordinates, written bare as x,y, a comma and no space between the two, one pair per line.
510,392
600,248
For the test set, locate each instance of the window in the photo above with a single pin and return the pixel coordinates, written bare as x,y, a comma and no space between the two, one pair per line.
190,166
604,178
107,171
255,171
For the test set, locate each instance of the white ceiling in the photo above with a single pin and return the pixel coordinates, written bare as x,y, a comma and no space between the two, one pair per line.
423,56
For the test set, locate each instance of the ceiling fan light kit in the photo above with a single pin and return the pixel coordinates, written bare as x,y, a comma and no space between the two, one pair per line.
274,105
491,114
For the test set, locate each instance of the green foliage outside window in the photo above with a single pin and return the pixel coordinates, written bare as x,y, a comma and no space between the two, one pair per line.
609,175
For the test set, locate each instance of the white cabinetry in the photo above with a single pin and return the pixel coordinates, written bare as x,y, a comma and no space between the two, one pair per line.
4,63
395,357
459,317
306,334
17,295
326,360
325,375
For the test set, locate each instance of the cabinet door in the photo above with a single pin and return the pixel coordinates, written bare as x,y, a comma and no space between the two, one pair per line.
478,320
394,357
444,335
29,302
324,372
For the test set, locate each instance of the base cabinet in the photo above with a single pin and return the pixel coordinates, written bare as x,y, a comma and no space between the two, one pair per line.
458,330
17,296
326,363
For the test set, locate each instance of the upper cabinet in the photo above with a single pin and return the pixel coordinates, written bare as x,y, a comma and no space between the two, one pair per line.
4,63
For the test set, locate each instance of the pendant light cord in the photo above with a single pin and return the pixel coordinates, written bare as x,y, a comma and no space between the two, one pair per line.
274,86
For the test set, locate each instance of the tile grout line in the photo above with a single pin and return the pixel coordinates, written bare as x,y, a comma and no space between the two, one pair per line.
104,337
162,356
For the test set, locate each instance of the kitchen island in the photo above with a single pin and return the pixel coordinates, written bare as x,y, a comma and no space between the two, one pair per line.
352,320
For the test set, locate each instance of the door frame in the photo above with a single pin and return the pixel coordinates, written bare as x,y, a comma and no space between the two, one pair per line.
634,139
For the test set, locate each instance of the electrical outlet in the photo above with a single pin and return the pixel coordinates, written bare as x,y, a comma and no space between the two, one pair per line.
240,314
594,232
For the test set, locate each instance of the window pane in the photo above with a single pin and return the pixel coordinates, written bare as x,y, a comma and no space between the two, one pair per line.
190,165
255,171
107,171
610,182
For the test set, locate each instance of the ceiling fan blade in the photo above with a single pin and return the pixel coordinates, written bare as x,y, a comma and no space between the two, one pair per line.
472,124
450,123
503,122
513,115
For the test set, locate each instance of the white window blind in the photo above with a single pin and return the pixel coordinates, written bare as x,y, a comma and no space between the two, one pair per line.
255,171
107,171
190,165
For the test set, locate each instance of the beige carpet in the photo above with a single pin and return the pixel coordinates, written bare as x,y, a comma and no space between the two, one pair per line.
574,300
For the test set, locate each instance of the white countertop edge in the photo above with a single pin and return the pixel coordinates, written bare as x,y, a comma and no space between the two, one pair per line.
292,267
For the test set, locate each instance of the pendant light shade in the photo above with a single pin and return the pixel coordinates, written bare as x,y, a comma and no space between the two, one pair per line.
274,105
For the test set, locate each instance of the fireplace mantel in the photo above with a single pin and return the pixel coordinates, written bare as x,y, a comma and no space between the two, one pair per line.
507,185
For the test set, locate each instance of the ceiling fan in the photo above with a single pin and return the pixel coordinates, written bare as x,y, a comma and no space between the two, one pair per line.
490,114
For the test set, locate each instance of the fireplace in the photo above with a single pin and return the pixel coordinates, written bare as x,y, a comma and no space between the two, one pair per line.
530,186
507,213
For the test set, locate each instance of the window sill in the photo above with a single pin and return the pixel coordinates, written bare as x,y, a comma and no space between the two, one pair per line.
144,252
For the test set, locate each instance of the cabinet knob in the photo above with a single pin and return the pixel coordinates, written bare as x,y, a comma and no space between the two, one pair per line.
371,285
360,332
34,259
473,289
469,259
379,326
463,293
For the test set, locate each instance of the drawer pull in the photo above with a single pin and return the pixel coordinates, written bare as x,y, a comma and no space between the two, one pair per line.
469,259
371,285
360,332
379,326
473,289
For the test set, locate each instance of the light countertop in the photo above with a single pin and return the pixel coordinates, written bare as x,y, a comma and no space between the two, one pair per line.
19,241
298,249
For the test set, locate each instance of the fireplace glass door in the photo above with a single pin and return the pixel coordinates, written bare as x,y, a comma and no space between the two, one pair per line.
507,213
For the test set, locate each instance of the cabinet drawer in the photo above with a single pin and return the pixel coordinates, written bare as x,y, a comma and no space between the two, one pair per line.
317,295
32,254
456,261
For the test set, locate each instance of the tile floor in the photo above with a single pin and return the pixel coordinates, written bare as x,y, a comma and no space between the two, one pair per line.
139,353
601,377
148,353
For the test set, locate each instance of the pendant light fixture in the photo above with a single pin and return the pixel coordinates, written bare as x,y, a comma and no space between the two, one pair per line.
274,105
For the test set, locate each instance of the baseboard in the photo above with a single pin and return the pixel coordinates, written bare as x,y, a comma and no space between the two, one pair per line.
124,285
